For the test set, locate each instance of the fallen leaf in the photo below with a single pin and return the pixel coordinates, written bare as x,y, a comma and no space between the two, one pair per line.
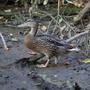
45,2
87,60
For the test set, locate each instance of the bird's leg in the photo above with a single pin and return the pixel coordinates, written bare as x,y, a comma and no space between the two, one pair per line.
44,65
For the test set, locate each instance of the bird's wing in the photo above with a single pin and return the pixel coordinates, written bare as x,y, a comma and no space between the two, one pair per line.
54,41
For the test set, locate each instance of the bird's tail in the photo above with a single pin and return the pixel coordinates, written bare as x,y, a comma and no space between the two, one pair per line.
74,49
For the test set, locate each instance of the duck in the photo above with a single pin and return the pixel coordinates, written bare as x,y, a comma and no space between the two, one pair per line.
48,45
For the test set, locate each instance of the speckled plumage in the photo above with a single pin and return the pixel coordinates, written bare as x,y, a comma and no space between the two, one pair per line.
46,44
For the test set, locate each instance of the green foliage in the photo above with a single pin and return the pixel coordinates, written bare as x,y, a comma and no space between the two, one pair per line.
70,10
87,60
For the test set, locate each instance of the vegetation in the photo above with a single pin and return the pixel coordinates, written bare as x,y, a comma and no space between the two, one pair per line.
67,20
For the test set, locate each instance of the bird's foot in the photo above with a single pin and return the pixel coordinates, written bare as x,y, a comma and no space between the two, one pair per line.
42,65
66,63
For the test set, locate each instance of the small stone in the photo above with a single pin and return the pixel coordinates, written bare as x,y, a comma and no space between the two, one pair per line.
11,34
44,28
14,39
55,76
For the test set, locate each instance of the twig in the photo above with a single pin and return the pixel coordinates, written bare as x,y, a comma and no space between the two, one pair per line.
69,1
82,12
3,40
49,15
58,7
76,36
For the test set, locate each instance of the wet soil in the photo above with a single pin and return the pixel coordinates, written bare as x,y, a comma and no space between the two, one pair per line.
18,74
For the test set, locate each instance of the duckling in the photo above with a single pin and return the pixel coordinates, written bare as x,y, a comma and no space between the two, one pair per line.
46,44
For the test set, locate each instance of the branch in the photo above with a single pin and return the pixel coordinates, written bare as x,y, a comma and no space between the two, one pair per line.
76,36
3,40
82,12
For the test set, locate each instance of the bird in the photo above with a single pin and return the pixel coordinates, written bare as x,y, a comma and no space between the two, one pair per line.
48,45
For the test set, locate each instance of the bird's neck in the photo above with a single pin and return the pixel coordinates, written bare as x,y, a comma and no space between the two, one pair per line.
33,31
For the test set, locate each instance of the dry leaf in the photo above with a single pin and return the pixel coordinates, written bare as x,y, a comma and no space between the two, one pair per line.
45,2
44,28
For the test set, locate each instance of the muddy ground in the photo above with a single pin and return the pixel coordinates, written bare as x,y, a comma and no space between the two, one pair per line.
18,73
